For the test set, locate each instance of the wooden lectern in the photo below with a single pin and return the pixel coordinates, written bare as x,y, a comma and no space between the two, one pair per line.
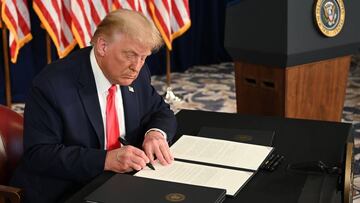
284,65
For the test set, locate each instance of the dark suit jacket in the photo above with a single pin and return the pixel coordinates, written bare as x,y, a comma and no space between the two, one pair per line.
64,132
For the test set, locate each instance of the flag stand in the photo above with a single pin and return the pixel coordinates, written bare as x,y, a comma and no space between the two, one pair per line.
48,48
169,95
6,68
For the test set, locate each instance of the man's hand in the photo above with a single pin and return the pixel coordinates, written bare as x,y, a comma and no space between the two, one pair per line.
125,159
155,144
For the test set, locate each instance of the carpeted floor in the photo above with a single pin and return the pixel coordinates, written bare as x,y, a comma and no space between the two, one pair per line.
208,88
212,88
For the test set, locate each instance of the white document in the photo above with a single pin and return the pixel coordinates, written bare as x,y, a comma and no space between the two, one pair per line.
220,152
201,175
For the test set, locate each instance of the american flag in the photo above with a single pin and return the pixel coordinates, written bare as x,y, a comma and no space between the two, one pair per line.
135,5
16,18
172,18
56,18
0,15
86,15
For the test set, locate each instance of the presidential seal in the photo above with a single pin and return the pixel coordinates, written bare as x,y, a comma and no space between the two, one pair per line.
243,138
330,16
175,197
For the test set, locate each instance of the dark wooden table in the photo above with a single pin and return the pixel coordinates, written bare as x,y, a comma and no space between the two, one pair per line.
300,141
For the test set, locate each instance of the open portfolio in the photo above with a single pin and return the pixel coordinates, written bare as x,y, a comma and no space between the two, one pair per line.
204,170
211,163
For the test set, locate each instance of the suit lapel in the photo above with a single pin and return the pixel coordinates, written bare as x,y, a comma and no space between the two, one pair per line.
89,96
131,110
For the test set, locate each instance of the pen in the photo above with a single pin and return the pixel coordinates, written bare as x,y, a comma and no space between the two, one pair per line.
272,161
268,160
124,142
276,163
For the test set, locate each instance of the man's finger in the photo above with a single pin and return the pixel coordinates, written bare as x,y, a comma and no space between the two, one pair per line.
160,156
149,153
164,148
136,166
140,153
139,160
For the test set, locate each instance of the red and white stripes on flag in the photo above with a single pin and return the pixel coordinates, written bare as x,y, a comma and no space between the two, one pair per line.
86,15
0,15
135,5
15,14
172,18
56,18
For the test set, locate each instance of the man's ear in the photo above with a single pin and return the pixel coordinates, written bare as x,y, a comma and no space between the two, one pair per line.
101,46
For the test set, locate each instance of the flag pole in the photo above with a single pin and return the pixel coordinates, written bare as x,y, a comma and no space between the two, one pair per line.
170,97
168,69
48,48
6,67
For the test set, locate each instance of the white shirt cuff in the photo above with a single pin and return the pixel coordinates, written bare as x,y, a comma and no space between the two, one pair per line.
158,130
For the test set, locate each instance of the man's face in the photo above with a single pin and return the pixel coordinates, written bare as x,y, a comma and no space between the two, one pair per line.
122,59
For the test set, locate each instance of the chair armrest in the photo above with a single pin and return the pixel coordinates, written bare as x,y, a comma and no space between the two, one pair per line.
11,193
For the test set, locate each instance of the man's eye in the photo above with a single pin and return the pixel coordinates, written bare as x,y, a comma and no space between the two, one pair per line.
130,55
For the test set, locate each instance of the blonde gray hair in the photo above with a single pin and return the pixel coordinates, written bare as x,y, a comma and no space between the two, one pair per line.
132,24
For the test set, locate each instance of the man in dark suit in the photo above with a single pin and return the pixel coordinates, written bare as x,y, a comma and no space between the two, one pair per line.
80,105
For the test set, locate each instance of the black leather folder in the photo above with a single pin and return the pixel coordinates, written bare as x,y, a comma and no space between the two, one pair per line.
250,136
128,188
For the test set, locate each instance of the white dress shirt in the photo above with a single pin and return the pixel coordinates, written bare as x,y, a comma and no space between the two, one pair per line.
102,86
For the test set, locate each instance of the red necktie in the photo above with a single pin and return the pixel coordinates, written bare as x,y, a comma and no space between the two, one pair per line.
112,123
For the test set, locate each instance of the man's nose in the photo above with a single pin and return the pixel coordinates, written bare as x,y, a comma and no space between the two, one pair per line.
138,63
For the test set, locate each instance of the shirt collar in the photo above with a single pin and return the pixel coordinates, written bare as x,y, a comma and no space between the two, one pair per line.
102,83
